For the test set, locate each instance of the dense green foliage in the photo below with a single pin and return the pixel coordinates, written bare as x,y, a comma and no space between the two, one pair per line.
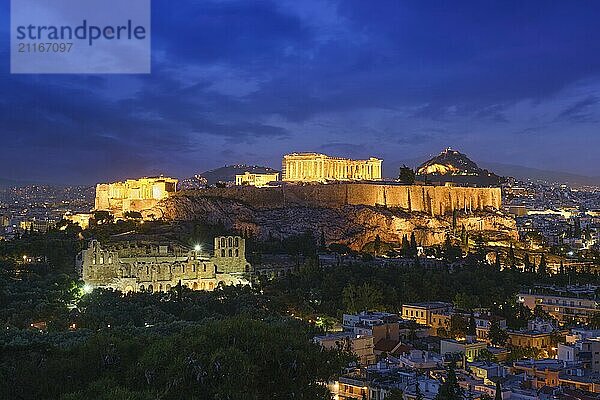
406,175
57,248
45,287
225,344
497,336
229,358
37,297
332,290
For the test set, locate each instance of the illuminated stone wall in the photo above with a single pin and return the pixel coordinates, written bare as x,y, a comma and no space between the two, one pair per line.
229,254
152,267
133,194
258,180
315,167
433,200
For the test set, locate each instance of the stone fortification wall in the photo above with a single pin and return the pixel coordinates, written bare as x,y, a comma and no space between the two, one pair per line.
433,200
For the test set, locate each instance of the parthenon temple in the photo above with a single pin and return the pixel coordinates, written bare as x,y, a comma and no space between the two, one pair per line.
316,167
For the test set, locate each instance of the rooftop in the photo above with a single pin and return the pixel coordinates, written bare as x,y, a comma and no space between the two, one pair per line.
386,345
585,377
546,363
428,304
340,335
463,341
571,291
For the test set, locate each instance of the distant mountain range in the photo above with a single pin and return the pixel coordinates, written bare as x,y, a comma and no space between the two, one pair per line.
520,172
4,183
228,172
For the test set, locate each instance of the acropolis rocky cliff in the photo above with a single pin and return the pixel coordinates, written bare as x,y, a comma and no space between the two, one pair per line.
349,213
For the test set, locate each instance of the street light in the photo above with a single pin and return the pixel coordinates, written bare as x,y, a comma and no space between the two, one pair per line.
87,288
197,247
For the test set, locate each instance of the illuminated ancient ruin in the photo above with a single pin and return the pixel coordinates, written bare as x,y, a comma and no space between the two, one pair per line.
258,180
158,267
133,195
316,167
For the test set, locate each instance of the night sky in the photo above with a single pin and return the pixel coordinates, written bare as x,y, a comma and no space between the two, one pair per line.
247,81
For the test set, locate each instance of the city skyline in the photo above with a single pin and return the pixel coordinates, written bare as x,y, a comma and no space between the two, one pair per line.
246,82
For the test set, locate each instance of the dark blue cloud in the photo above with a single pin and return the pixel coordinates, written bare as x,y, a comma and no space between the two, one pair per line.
231,32
581,111
245,81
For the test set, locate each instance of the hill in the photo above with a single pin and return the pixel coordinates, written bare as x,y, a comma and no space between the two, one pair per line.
350,214
454,166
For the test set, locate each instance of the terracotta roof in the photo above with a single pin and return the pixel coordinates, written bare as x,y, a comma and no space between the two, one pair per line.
386,345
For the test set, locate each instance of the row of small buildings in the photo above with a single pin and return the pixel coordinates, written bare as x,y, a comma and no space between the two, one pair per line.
403,351
568,304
